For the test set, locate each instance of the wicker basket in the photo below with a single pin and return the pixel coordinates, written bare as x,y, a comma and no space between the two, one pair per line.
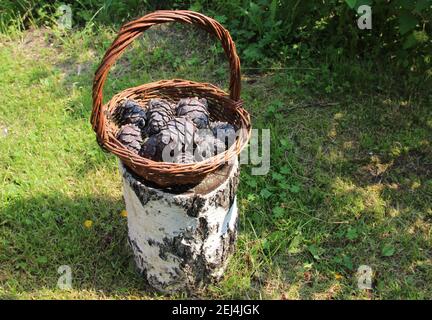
222,106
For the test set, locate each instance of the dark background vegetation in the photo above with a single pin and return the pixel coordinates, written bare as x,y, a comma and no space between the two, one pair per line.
269,30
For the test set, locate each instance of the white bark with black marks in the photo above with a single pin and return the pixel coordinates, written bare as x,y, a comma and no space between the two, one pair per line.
182,239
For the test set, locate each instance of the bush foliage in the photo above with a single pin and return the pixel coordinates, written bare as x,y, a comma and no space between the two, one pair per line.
273,30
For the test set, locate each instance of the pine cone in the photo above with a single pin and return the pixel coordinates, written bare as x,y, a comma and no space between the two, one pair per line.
159,113
195,109
184,128
130,136
224,132
128,111
176,137
149,149
207,145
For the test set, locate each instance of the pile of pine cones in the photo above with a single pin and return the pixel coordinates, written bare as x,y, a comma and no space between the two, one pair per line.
179,133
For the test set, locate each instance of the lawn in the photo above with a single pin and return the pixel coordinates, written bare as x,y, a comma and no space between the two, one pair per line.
350,181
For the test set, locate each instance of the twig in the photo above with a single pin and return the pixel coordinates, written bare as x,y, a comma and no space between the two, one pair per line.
312,104
281,68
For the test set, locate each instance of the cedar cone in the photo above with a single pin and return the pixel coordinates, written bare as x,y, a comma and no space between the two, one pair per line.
224,132
207,145
196,110
177,135
159,112
130,136
149,149
128,111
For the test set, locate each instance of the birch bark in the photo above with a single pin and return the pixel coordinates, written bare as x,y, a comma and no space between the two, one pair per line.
182,240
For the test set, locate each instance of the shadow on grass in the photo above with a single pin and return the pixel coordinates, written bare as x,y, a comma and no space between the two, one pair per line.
46,232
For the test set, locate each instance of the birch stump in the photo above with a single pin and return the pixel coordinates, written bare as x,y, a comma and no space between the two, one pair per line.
182,240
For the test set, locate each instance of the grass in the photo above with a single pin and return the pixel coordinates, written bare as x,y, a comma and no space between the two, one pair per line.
350,182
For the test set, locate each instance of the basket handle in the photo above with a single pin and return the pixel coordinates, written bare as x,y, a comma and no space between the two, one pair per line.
131,30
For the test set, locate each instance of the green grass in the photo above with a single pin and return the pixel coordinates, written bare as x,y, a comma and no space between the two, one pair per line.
350,181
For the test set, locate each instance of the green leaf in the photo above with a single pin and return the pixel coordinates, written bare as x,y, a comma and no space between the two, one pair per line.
388,250
294,188
265,193
407,22
351,3
221,18
278,177
251,183
278,212
21,265
294,246
283,185
192,61
251,197
410,41
420,36
42,260
359,3
265,244
352,234
196,6
286,143
347,262
271,109
285,170
315,251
